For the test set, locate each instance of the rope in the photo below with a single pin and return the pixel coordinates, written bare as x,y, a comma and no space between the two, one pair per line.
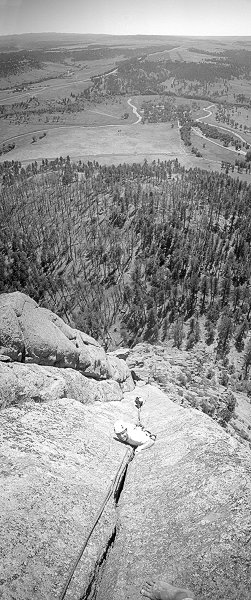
113,486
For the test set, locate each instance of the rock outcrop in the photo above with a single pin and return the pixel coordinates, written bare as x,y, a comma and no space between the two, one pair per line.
30,336
21,382
194,379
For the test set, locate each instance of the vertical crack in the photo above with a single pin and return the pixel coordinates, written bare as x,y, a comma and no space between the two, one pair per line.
119,488
90,592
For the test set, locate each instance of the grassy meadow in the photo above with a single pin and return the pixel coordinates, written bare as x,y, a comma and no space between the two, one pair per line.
123,141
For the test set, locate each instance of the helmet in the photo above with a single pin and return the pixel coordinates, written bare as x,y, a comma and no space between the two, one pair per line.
119,426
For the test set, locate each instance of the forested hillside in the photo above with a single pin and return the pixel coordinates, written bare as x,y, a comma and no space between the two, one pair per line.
190,79
139,248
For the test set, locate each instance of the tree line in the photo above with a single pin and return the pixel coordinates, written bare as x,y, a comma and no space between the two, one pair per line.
151,247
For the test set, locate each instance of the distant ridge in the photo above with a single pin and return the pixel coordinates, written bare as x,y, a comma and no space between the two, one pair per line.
39,40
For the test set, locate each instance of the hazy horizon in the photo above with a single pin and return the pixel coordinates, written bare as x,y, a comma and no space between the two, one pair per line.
163,17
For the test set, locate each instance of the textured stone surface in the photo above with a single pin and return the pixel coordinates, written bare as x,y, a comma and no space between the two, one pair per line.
185,510
20,382
57,462
17,301
9,389
97,365
119,371
64,327
11,337
36,335
45,344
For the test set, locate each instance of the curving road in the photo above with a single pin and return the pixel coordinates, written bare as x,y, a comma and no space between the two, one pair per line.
232,131
209,113
134,110
217,143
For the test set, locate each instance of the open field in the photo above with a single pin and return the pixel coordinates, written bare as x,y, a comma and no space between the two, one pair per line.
112,140
115,145
109,112
52,89
181,53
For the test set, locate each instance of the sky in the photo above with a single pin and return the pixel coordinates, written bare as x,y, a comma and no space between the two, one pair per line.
123,17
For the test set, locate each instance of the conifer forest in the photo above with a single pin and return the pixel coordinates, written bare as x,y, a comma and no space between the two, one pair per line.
141,249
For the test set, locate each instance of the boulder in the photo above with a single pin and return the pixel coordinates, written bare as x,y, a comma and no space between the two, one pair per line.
32,334
17,301
98,366
92,357
45,344
20,382
119,371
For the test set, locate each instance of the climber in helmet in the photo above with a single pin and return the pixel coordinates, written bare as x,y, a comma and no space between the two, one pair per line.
134,435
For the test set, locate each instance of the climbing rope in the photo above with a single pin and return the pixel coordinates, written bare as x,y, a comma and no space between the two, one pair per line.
113,487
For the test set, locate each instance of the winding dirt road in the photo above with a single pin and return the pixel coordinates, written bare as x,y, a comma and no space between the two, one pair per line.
233,132
134,110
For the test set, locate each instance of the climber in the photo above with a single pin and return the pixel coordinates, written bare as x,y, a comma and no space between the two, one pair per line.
134,435
139,403
161,590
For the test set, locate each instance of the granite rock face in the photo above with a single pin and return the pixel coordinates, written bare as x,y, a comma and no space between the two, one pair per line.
57,463
184,514
34,335
21,382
